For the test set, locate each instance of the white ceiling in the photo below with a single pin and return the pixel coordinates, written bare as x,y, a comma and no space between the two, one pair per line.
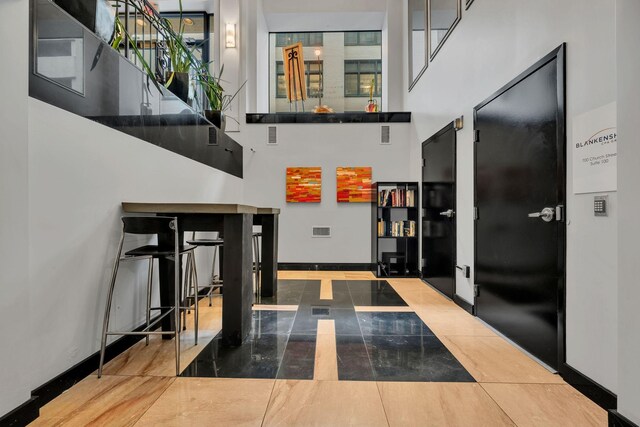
187,5
325,15
304,15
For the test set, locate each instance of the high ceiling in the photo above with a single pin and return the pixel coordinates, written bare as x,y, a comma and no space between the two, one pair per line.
305,15
325,15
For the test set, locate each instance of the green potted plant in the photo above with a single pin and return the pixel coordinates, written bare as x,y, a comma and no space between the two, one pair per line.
120,34
181,57
216,102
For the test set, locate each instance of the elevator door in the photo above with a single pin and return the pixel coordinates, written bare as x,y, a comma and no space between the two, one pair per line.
520,197
439,211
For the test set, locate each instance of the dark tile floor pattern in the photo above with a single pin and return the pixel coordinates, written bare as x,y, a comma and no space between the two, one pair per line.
380,346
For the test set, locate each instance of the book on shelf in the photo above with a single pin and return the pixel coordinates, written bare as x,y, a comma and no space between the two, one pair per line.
397,197
396,228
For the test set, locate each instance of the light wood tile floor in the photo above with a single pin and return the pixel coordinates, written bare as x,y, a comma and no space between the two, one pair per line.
139,387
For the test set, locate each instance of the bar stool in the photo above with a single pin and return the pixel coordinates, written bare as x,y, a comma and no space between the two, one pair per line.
216,282
256,261
148,225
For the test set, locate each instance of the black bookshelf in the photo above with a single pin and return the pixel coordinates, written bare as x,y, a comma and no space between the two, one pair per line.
394,229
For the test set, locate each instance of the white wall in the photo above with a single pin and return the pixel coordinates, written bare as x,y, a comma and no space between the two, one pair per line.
492,44
79,173
328,146
15,339
628,70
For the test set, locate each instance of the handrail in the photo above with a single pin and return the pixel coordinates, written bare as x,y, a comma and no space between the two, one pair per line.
152,38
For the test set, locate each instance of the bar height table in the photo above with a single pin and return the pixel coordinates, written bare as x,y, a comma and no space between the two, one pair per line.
235,223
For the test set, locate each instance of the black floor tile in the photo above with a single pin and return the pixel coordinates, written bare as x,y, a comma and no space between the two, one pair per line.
272,322
369,286
353,360
413,358
289,292
256,358
385,299
386,323
299,358
340,299
374,293
306,322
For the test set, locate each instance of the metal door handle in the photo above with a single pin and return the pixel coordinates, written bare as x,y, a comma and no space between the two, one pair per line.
546,214
448,213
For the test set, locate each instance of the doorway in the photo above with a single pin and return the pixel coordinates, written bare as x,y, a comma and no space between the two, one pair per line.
439,210
520,185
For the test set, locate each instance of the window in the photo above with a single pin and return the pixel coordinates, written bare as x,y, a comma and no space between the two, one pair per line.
363,38
307,39
312,72
359,51
359,75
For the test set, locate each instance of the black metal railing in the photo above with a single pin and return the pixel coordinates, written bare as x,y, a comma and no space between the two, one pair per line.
74,68
145,45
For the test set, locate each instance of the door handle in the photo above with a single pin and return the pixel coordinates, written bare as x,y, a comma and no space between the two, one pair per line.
448,213
546,214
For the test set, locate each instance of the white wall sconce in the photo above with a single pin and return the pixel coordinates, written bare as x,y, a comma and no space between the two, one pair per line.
230,35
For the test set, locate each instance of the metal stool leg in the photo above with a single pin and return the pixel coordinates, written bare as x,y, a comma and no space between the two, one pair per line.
194,288
185,308
107,311
149,285
176,296
213,272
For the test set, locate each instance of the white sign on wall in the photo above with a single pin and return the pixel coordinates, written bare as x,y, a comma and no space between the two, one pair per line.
595,151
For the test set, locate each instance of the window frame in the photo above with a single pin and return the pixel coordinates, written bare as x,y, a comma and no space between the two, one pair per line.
306,38
377,93
359,42
307,76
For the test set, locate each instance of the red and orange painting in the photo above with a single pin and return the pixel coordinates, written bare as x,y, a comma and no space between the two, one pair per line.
354,185
304,185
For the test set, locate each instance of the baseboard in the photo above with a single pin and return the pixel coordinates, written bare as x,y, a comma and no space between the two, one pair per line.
303,266
617,420
585,385
44,394
466,306
23,414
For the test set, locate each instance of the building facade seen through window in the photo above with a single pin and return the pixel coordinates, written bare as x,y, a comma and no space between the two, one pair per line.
341,67
312,77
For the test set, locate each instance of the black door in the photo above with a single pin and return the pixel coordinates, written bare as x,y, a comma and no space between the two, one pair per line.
439,207
520,196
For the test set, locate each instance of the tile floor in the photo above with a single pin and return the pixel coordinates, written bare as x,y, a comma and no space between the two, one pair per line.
334,349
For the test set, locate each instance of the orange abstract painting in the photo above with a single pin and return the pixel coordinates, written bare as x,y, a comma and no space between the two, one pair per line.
304,185
354,185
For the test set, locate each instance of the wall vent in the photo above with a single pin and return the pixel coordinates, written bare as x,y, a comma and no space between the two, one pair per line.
385,134
320,231
272,136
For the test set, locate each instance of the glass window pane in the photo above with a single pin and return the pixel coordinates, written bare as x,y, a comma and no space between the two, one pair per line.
350,39
351,66
351,85
281,87
315,39
367,38
367,67
366,80
339,72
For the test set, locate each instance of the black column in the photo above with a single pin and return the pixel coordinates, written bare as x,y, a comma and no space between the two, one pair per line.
269,272
238,278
